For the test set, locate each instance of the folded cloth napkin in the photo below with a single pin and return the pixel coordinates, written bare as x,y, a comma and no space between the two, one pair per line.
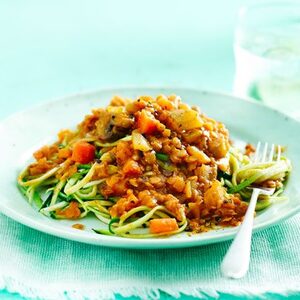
35,264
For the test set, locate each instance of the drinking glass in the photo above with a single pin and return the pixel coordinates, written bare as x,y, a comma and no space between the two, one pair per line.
267,55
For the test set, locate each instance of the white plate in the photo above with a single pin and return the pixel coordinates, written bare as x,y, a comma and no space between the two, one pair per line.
249,121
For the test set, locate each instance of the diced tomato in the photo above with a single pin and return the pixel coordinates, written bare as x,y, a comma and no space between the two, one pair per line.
83,152
146,123
131,167
71,212
163,225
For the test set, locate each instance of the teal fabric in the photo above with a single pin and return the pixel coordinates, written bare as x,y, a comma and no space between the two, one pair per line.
4,295
74,270
53,48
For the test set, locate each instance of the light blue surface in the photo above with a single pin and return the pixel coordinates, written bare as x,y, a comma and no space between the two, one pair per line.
52,48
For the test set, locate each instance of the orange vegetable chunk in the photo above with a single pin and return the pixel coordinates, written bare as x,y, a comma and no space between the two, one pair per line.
146,123
164,225
83,152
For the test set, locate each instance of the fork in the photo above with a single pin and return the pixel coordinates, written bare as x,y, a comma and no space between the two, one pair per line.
236,261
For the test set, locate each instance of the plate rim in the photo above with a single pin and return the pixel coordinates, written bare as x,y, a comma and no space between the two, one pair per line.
119,242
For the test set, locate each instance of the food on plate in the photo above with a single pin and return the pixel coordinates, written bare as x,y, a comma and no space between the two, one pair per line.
149,167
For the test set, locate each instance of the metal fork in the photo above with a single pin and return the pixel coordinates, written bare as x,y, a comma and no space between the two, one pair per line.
236,261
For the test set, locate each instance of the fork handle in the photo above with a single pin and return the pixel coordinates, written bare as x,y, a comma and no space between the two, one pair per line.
236,261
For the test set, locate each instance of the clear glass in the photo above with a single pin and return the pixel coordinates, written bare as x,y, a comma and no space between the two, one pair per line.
267,55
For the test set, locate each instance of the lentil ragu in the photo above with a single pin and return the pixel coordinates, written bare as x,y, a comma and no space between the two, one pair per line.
149,162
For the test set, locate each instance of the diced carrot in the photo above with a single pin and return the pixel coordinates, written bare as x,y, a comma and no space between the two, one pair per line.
131,167
146,123
164,225
83,152
71,212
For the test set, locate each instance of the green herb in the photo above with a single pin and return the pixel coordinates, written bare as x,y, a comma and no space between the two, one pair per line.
113,199
84,166
166,166
82,171
162,156
98,154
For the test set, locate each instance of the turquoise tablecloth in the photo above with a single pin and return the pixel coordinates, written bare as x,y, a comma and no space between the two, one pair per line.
39,264
53,48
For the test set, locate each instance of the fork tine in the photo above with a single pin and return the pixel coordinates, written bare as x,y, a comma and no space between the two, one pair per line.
264,155
256,155
278,152
271,154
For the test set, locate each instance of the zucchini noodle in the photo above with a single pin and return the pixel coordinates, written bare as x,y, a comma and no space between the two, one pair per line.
71,189
245,174
123,229
149,168
36,181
